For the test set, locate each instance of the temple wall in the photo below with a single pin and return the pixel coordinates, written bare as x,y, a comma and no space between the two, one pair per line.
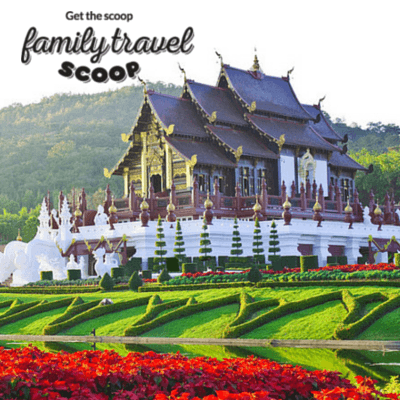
287,169
300,232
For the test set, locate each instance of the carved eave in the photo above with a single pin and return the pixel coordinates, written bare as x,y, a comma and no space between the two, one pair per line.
116,170
279,142
233,154
249,107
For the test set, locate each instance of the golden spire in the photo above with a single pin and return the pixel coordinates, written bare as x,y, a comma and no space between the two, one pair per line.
377,210
348,208
257,207
19,238
256,64
112,208
208,203
287,203
317,206
78,212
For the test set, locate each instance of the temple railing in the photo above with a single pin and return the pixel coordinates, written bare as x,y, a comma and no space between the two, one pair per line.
191,204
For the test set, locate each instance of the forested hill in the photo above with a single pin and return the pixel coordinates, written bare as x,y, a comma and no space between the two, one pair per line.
66,140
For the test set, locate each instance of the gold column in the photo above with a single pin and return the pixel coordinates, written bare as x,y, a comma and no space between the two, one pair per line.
189,170
144,163
126,181
169,166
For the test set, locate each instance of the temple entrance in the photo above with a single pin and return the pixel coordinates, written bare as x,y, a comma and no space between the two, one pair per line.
156,181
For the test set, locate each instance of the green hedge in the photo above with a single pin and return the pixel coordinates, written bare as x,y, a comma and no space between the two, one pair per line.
339,260
147,274
328,283
280,311
51,290
181,312
172,264
92,313
133,264
73,274
202,286
46,275
397,259
290,261
308,262
189,268
276,264
17,306
222,260
117,272
350,331
43,306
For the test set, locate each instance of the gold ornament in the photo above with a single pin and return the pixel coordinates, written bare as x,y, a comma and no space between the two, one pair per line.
287,203
317,206
257,207
208,203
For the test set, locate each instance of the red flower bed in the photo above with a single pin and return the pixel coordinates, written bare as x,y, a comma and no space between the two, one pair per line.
341,268
29,373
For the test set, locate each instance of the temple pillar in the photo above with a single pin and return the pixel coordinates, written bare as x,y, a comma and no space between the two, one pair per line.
352,250
320,249
126,181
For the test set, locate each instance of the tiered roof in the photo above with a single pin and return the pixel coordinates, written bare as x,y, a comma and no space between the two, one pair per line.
248,110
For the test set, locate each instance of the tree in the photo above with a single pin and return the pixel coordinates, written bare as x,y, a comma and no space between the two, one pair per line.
160,244
106,282
135,281
257,243
205,243
236,250
164,276
273,240
179,243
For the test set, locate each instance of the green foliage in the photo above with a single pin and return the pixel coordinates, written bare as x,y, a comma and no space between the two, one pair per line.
106,282
258,243
273,240
205,243
164,276
46,275
117,272
160,244
179,250
133,264
73,274
308,262
254,275
135,281
189,267
397,259
236,240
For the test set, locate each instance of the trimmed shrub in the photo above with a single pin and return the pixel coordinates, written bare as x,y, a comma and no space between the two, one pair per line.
276,264
205,243
273,240
160,245
106,282
135,281
308,262
338,260
46,275
236,250
164,276
259,258
397,259
178,245
189,267
222,260
147,274
133,264
117,272
172,264
290,261
254,275
73,274
202,286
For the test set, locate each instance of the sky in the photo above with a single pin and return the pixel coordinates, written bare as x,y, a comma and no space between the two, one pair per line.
347,51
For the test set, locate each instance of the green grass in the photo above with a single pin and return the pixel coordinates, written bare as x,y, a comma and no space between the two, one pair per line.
386,328
207,324
314,323
32,325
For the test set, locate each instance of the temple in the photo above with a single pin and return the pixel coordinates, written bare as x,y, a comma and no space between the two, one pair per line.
247,129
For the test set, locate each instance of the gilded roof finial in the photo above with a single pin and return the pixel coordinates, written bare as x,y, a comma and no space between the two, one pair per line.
348,208
171,205
317,206
220,58
144,85
320,101
287,203
19,238
377,210
78,212
289,72
184,73
256,64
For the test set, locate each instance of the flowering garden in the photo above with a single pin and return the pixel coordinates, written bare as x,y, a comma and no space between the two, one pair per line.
29,373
